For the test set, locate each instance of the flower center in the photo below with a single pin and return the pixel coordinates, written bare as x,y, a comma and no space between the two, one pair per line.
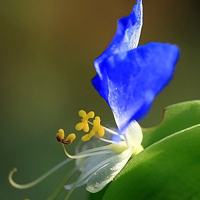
97,129
119,148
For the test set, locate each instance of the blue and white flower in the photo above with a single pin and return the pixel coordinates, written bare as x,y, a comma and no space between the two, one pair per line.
128,78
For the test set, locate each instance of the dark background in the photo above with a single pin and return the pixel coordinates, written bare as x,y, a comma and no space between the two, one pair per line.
47,49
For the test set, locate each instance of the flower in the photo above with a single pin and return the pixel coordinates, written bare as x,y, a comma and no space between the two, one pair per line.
97,163
128,78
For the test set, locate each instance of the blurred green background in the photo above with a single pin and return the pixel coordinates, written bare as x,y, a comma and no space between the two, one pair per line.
47,49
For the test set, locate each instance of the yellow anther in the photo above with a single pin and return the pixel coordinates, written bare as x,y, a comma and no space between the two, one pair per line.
101,132
85,138
88,136
97,128
82,113
70,138
90,114
60,135
80,126
83,125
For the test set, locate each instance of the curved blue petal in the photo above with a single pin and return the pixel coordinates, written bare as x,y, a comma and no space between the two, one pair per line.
128,32
129,81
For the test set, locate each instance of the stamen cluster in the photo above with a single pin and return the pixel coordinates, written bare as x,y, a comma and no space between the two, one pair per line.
83,125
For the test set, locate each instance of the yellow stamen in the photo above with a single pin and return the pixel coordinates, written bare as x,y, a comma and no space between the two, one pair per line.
60,135
85,138
97,128
83,125
70,138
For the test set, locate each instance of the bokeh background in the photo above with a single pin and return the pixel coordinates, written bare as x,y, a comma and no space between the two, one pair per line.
47,49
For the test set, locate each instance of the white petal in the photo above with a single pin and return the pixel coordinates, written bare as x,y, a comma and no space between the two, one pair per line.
87,164
133,135
100,178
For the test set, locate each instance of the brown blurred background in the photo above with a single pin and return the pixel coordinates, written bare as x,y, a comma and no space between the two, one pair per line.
47,49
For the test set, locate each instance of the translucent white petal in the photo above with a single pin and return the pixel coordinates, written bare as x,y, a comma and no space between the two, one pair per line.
100,178
86,174
87,164
133,134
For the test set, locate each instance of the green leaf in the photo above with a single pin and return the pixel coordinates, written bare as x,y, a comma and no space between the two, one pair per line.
170,167
167,170
176,117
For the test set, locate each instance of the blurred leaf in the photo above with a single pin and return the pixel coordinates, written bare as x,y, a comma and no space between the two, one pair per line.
176,117
169,167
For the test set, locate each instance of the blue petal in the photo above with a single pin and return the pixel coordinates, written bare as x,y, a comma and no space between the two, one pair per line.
128,32
129,81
